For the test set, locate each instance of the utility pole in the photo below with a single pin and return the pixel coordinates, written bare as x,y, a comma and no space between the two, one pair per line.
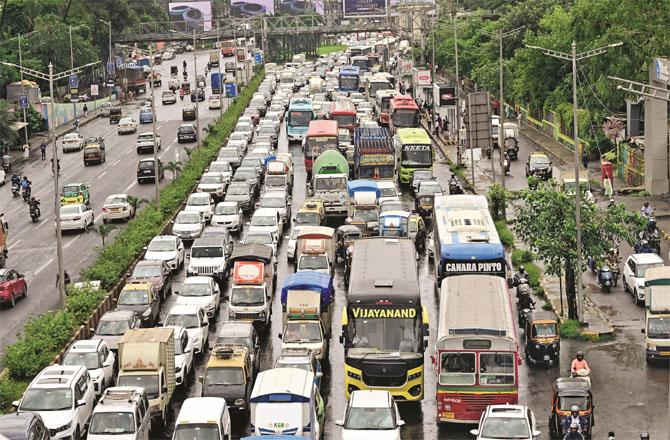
458,87
25,128
197,101
154,114
573,56
71,52
109,59
218,56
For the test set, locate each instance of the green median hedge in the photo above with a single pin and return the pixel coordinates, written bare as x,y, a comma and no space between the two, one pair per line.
46,335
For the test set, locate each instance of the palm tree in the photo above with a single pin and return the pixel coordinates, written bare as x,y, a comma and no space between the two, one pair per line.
135,203
7,118
188,151
103,231
174,167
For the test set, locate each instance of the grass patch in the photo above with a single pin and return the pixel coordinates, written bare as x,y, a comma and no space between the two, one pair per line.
570,329
546,306
521,256
10,390
506,236
326,49
534,274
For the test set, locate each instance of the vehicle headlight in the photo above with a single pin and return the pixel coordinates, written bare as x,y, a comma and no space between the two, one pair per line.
64,427
211,305
651,347
262,314
537,346
177,368
231,314
354,375
414,376
240,402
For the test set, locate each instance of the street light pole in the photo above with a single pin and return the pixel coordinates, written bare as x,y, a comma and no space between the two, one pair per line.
195,78
574,57
458,87
25,128
71,52
218,56
154,114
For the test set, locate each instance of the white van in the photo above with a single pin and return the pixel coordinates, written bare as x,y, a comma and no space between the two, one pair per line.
285,401
121,413
203,417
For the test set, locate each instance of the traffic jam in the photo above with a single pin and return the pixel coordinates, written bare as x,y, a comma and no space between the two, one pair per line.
290,297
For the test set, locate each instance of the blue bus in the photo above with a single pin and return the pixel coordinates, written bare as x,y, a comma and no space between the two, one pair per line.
349,78
300,113
465,238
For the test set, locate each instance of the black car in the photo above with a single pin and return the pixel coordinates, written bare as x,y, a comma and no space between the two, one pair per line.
188,113
23,425
198,94
539,165
249,175
146,171
187,133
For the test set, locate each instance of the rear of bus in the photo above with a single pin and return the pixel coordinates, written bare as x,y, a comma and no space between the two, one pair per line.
344,112
321,136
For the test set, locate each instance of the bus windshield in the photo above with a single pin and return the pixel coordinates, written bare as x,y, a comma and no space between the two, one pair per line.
319,144
406,118
416,155
344,120
378,335
299,118
349,82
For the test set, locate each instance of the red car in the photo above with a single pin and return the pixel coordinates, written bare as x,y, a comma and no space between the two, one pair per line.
12,286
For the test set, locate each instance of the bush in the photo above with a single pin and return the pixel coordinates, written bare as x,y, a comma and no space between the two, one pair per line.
506,237
521,256
497,197
80,303
570,329
10,390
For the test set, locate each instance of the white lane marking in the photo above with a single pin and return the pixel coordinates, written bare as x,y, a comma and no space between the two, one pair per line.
102,174
43,222
129,151
96,219
72,241
116,163
170,146
128,187
44,265
15,243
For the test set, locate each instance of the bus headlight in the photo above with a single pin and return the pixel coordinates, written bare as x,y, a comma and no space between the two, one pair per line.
415,390
354,375
414,376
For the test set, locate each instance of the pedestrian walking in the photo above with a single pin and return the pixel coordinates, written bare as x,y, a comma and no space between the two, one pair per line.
445,125
85,110
26,151
438,124
43,149
609,187
518,119
585,160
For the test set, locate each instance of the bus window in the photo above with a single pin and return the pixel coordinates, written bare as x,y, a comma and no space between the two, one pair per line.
457,368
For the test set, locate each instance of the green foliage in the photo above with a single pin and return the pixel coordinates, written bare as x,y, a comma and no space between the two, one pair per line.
570,329
7,119
103,231
81,302
326,49
497,197
43,337
10,390
547,306
521,256
506,237
534,274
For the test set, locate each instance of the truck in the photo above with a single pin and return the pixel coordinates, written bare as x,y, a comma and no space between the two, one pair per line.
302,326
330,174
146,359
657,313
132,78
253,284
422,84
316,246
374,154
444,98
307,286
215,80
214,58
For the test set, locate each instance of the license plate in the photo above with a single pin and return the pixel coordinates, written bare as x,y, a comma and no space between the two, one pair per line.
448,415
664,353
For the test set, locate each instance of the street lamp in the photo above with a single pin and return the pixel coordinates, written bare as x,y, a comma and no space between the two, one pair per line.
218,56
51,77
573,56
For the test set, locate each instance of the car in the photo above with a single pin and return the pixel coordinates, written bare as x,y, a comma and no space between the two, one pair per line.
245,127
117,207
230,155
429,187
188,113
198,94
242,332
214,102
183,353
265,238
24,425
420,175
371,414
113,324
146,143
72,142
168,248
270,132
142,298
121,412
240,136
12,286
222,167
126,126
213,183
633,274
146,115
187,133
391,205
201,202
507,421
74,193
168,97
293,242
75,217
156,272
96,357
64,397
249,175
539,165
94,153
188,225
267,220
146,170
301,358
168,55
194,320
279,200
201,291
228,214
242,194
387,190
104,109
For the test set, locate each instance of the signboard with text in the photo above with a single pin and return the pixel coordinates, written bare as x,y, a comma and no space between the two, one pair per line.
231,90
23,101
364,8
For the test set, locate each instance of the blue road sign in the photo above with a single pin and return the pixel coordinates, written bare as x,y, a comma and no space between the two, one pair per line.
119,61
258,58
231,90
23,101
110,67
74,81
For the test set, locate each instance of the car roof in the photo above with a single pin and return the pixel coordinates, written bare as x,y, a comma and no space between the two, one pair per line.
201,409
184,309
507,411
150,263
164,238
370,399
57,376
231,328
198,280
115,315
647,258
265,212
85,345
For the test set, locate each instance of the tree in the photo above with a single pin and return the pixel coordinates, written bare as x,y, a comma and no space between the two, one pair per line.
103,231
136,202
8,134
174,167
545,220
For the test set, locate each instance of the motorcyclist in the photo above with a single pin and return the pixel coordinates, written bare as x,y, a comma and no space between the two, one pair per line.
521,274
646,210
181,93
573,433
612,257
34,205
579,363
525,302
610,436
184,64
185,75
16,180
25,185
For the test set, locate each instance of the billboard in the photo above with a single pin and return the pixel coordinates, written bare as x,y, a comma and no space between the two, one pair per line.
364,8
251,8
191,15
301,7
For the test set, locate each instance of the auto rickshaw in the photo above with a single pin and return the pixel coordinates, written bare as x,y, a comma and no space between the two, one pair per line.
424,206
543,343
187,87
174,71
75,193
566,393
346,235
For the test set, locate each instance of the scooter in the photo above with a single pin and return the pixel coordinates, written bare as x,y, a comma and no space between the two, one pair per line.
605,279
506,164
16,188
26,194
34,213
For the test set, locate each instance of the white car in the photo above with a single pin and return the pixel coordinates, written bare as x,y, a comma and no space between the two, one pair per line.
64,397
194,320
262,237
117,207
201,202
240,136
507,422
96,357
267,220
279,200
73,142
228,214
183,354
213,183
75,217
168,55
214,102
369,415
293,242
168,97
633,273
223,167
201,291
245,126
146,143
127,125
387,191
166,248
188,225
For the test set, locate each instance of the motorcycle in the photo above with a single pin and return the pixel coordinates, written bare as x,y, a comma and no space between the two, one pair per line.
455,187
615,275
642,247
506,165
16,188
34,213
605,279
591,264
26,194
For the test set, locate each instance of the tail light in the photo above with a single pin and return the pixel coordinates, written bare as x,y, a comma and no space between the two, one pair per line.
104,209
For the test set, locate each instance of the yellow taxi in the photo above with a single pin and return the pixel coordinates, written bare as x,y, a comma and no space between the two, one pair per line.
229,373
312,212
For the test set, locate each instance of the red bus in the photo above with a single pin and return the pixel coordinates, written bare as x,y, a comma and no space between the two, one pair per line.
344,112
321,136
403,112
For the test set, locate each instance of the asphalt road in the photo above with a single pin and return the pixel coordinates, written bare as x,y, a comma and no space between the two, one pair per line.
32,246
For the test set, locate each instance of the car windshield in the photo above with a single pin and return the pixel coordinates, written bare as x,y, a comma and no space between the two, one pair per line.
188,218
642,268
238,190
247,296
313,262
198,201
229,153
422,175
266,129
308,218
221,167
224,376
658,328
168,94
186,129
147,381
69,210
207,252
243,126
504,428
238,136
264,220
195,289
245,175
358,418
273,202
186,321
196,431
258,238
388,192
330,184
210,180
544,330
91,150
112,328
430,187
50,399
116,200
112,423
88,360
71,137
161,246
226,210
366,215
275,180
539,161
147,271
301,332
133,297
71,189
